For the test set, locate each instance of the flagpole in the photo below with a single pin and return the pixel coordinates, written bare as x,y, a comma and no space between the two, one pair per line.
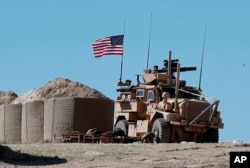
122,52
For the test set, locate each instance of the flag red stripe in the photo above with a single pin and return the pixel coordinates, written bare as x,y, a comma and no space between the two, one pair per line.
103,47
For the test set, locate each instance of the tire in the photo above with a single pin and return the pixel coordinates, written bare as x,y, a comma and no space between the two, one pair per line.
211,136
121,128
161,130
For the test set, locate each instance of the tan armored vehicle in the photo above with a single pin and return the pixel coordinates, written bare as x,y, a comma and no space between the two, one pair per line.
164,108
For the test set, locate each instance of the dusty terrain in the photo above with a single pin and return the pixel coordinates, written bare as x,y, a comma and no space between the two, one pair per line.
65,155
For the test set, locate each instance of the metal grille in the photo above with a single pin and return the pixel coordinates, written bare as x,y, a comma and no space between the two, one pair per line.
194,108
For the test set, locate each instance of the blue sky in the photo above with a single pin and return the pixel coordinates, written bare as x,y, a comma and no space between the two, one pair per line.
44,39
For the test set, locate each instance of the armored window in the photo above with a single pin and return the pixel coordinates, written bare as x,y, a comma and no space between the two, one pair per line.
140,93
151,95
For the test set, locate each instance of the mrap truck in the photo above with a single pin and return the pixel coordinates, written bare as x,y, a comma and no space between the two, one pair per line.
163,109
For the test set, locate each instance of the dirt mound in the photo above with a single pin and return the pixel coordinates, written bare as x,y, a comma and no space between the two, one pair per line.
7,97
59,87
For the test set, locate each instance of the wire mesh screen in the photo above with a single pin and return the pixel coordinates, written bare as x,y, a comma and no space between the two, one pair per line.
93,113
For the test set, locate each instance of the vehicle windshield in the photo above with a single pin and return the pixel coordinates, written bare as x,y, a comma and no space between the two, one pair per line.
150,95
140,93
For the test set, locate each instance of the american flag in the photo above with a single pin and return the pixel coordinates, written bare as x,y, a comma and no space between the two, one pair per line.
112,45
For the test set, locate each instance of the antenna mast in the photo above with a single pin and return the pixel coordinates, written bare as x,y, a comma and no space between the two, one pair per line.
203,48
149,40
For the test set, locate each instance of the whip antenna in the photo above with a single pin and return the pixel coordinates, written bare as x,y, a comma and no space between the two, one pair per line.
149,39
203,48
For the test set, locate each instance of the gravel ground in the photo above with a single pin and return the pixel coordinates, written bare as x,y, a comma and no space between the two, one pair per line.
65,155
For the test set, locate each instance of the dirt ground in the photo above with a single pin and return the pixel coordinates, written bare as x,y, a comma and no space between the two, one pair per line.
68,155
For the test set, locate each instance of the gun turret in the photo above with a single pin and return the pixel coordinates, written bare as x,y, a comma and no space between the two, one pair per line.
174,63
165,74
174,69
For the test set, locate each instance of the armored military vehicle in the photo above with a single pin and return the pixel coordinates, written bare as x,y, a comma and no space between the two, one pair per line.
163,109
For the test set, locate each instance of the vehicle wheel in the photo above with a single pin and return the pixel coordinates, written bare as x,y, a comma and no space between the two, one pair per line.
121,128
211,136
161,130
